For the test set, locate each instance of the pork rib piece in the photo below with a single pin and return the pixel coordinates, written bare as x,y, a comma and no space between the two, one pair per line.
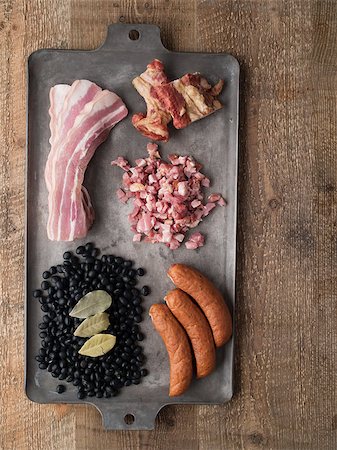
154,124
81,117
184,100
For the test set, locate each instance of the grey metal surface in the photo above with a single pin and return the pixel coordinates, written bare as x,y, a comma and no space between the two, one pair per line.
212,141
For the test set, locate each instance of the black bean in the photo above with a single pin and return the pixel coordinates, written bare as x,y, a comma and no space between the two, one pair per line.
132,273
140,358
140,337
59,293
119,260
88,246
74,260
126,356
80,250
46,318
62,301
37,293
92,274
136,301
145,290
66,255
110,259
53,270
51,290
140,272
144,372
137,319
43,326
59,268
127,263
46,274
43,366
91,393
94,252
45,285
90,260
122,310
84,363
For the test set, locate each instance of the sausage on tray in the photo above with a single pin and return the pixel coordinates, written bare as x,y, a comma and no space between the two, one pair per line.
197,328
208,297
178,348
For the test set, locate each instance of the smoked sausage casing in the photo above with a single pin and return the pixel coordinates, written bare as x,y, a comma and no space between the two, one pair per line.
178,348
208,297
197,328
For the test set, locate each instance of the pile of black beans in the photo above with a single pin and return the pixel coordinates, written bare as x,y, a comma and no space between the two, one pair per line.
63,286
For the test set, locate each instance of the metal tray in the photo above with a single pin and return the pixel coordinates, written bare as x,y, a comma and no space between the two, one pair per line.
212,141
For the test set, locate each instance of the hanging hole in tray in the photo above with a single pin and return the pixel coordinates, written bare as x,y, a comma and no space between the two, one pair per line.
129,419
134,35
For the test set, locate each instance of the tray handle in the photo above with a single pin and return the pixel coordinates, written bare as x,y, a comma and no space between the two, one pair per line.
133,37
128,417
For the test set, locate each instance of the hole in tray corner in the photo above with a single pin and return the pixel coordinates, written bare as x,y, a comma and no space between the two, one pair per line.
134,35
129,419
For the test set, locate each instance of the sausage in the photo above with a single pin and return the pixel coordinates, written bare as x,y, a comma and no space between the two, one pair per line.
197,328
177,346
208,298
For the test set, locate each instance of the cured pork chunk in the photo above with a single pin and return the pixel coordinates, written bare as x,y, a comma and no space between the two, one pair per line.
184,101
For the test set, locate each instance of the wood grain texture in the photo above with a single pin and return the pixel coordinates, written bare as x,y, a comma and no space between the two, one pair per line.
287,248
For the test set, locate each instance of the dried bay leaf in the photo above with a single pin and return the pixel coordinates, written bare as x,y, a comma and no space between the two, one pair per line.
92,303
98,345
93,325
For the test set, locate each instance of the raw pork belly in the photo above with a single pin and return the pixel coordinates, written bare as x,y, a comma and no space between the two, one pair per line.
81,117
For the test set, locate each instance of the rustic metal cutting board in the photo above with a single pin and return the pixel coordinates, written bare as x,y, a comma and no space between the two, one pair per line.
212,141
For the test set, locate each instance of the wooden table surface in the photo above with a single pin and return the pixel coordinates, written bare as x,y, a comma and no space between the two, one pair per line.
286,349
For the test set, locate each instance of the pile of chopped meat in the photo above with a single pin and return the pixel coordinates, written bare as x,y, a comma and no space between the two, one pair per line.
168,198
183,101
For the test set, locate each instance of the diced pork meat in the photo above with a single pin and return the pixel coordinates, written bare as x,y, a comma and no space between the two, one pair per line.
168,198
195,241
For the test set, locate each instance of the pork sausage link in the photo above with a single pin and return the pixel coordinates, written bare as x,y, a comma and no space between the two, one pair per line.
208,298
178,348
197,329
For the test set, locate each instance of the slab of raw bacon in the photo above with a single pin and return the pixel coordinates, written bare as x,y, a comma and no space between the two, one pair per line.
184,100
81,117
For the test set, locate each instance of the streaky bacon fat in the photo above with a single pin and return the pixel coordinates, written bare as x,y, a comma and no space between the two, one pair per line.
81,117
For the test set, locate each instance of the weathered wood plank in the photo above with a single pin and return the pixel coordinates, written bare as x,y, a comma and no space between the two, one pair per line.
286,309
